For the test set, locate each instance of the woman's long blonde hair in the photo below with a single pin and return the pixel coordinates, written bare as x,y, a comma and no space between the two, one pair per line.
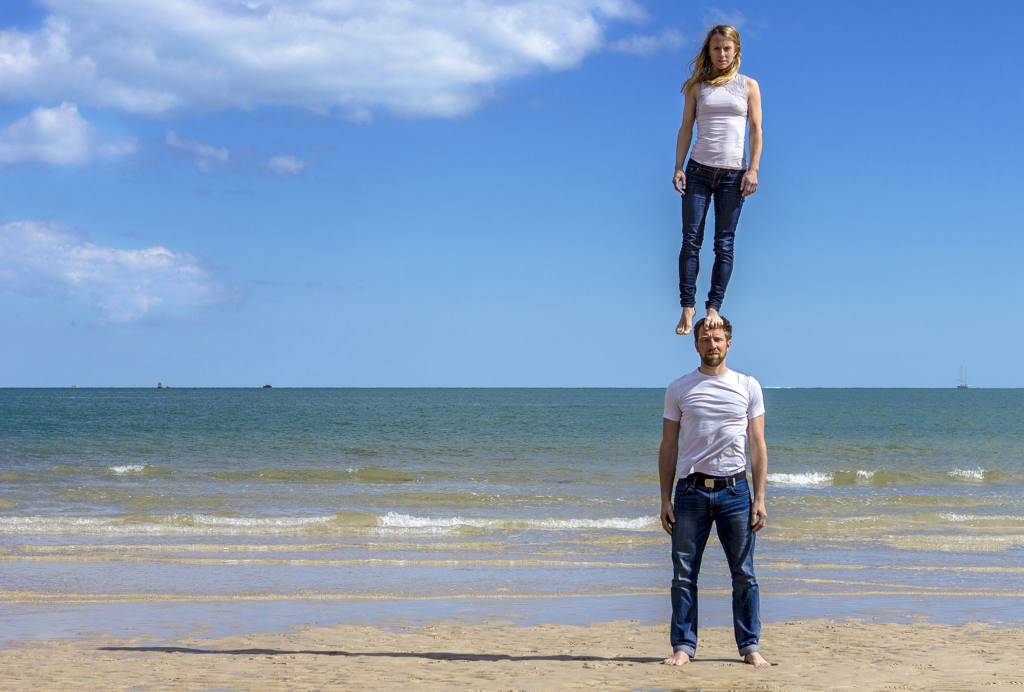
701,70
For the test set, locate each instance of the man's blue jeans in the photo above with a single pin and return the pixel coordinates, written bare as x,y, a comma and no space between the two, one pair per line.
696,507
704,183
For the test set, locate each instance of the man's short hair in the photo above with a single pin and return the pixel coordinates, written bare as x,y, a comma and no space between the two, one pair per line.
726,325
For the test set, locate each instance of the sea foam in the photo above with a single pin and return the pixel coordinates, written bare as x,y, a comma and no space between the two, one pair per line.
811,478
975,474
407,521
128,468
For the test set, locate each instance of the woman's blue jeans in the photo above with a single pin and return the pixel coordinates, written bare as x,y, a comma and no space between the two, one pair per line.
696,508
704,184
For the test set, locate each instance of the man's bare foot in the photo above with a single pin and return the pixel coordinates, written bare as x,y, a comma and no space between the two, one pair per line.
685,325
713,320
679,658
755,659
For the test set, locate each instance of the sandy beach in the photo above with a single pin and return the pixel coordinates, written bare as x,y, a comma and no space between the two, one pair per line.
450,654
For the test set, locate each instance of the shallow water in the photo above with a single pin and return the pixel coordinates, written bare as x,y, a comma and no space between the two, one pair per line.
905,498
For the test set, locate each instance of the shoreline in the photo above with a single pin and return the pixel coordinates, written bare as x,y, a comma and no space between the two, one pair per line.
467,653
41,616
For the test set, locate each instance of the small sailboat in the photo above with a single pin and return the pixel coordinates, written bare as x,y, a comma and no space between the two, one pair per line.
962,384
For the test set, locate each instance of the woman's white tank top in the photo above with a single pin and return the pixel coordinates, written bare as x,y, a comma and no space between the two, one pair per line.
722,125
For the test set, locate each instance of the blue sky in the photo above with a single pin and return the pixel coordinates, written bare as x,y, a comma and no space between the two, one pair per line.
476,193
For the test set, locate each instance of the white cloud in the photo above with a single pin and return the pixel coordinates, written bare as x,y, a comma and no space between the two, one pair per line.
39,258
717,16
286,165
414,57
206,157
670,39
57,136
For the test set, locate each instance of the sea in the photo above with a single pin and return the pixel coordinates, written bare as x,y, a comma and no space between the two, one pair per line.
153,512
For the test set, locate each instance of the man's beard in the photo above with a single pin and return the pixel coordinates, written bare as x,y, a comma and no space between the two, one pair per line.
712,360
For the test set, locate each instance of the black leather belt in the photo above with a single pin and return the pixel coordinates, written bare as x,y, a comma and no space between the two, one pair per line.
702,480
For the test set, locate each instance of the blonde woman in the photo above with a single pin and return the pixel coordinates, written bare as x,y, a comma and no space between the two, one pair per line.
723,103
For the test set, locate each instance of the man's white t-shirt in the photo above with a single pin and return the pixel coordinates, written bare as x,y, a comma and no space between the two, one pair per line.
712,411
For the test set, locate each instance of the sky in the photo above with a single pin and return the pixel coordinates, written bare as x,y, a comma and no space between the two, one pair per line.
478,193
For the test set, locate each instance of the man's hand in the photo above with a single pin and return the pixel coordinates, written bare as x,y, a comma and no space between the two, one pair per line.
668,517
758,516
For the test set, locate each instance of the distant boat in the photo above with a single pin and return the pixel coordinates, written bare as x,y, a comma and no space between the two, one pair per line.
962,384
267,386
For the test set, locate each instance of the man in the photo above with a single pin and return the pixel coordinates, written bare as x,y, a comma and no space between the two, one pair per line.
715,410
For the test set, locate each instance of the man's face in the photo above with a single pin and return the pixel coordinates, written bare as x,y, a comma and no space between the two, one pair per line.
712,345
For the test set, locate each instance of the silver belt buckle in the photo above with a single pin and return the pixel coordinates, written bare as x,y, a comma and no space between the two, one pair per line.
709,482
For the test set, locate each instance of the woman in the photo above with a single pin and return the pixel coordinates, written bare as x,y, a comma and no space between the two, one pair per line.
722,102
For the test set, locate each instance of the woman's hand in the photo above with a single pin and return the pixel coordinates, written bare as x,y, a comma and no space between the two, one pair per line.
679,181
749,184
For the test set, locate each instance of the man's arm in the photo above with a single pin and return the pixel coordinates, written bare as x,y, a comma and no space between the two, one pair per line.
759,471
667,470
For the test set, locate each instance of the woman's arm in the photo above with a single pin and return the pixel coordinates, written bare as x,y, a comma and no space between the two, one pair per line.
749,184
684,137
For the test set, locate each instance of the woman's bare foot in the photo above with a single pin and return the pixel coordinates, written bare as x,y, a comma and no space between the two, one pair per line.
685,325
679,658
755,659
713,320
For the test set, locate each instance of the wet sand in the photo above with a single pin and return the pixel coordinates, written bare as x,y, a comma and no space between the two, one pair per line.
810,654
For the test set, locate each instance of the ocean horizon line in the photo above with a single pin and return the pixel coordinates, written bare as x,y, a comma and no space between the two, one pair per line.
479,387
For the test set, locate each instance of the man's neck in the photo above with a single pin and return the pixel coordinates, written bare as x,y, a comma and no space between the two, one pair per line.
719,369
